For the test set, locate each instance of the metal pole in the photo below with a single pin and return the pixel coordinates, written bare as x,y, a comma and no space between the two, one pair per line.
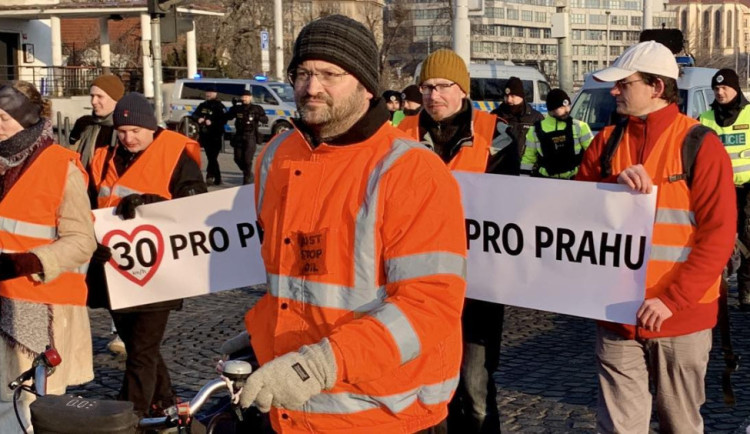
648,15
156,52
565,52
462,30
606,56
278,39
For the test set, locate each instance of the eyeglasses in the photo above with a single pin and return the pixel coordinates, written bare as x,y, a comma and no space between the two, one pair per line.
441,88
624,84
326,78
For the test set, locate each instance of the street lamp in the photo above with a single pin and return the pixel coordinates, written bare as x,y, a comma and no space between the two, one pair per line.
606,55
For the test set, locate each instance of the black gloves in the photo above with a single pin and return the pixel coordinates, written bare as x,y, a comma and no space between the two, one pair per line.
102,254
14,265
128,204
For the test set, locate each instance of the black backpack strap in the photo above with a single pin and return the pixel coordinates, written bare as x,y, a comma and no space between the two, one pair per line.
690,147
605,161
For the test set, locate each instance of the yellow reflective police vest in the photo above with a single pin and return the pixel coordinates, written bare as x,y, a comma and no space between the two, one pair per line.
736,140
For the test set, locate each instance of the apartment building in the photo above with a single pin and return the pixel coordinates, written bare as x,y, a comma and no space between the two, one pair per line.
519,30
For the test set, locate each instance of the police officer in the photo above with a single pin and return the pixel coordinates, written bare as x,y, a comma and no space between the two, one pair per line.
555,145
210,117
246,136
517,112
730,118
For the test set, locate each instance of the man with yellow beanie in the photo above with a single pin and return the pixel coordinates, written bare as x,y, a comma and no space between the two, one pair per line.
468,140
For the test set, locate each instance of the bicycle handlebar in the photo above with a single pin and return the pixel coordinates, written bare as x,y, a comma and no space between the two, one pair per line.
181,410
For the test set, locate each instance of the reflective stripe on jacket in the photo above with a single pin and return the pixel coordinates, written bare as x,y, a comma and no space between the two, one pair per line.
474,153
150,173
28,219
363,244
674,225
581,137
736,140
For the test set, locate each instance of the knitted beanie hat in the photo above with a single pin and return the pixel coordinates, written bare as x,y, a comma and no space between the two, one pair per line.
514,86
111,85
134,109
344,42
557,98
412,93
446,64
726,77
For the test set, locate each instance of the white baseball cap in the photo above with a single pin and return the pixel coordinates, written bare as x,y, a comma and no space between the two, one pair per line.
650,57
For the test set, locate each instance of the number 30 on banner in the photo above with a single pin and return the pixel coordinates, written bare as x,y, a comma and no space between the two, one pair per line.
136,255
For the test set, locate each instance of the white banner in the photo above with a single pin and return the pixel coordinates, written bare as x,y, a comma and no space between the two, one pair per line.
182,248
578,248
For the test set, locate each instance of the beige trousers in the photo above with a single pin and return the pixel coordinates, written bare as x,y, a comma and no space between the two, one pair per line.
675,365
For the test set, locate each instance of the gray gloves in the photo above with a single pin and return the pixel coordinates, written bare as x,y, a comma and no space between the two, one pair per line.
237,343
289,381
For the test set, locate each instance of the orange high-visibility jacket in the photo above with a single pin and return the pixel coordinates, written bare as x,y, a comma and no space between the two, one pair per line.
29,219
150,173
674,228
363,244
473,155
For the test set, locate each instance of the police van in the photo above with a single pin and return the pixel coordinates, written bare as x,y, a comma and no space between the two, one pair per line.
276,98
595,105
488,83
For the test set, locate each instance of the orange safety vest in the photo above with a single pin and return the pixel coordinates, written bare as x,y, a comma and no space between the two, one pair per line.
150,173
473,155
674,225
28,219
361,247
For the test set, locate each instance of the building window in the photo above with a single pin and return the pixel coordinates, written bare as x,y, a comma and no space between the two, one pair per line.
594,35
535,33
517,49
616,36
683,22
540,17
577,19
501,48
532,49
597,19
506,31
549,49
527,16
729,28
633,6
717,28
576,50
576,34
615,51
636,21
592,4
619,20
547,33
512,14
520,32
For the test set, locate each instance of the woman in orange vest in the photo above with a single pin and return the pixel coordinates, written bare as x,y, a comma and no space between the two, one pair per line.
46,238
148,164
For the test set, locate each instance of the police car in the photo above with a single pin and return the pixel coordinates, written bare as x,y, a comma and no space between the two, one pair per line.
276,98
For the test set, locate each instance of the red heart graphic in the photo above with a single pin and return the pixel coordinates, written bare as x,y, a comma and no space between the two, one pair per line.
133,257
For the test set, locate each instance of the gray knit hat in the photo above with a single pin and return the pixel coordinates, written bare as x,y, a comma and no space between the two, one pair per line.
134,109
344,42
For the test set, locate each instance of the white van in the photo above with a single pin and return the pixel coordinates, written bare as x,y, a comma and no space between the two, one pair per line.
594,104
488,82
276,98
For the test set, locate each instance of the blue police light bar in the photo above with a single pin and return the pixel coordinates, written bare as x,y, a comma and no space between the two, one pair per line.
197,76
261,78
684,60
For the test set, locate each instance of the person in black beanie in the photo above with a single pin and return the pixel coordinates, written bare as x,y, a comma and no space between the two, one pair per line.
555,146
210,116
162,165
729,116
412,97
364,246
514,110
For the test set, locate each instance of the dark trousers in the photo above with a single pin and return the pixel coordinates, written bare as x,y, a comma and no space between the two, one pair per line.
473,408
212,144
743,233
244,151
146,380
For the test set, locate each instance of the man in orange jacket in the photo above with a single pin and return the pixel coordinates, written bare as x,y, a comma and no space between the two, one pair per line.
693,237
364,249
474,141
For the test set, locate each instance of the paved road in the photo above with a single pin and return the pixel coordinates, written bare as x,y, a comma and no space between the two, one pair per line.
546,381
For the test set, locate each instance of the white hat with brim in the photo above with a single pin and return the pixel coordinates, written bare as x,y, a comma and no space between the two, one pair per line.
649,57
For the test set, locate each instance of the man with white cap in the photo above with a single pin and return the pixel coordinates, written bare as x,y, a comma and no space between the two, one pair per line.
692,239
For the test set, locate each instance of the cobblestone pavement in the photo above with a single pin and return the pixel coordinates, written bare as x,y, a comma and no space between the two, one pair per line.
546,380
